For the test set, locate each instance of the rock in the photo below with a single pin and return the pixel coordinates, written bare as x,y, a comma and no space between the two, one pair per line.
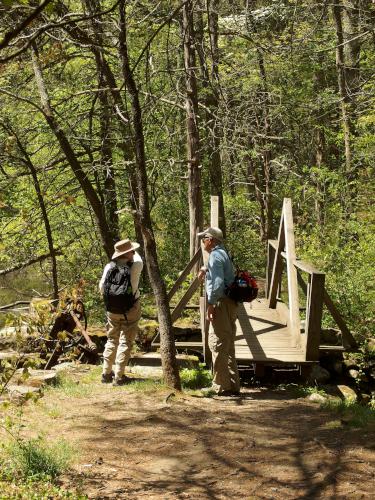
21,392
318,375
338,367
36,378
350,363
330,336
365,398
66,366
347,393
353,373
9,355
316,398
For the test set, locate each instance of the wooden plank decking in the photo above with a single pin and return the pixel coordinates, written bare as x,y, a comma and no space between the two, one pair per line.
262,335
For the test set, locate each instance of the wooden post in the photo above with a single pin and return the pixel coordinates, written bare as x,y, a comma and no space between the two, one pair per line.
290,250
184,274
204,327
270,262
277,265
177,311
314,312
214,211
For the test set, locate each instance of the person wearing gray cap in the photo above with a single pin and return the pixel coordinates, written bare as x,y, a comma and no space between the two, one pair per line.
119,287
221,314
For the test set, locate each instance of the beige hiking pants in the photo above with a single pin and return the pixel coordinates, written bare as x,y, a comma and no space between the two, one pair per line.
121,333
221,336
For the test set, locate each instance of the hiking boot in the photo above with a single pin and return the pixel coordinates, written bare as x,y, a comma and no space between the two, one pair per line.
229,393
209,391
107,377
123,380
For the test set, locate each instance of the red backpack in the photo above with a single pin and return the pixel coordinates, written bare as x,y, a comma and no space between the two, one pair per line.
244,287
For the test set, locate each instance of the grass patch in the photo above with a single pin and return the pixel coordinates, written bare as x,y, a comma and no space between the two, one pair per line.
36,490
195,378
351,413
69,386
144,385
301,391
35,458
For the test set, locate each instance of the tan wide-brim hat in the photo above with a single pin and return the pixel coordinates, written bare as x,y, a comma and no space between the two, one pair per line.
124,246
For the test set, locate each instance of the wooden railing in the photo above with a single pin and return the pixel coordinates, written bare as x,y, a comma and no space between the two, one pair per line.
282,252
177,311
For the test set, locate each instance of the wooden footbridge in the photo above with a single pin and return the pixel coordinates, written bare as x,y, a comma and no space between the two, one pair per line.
271,330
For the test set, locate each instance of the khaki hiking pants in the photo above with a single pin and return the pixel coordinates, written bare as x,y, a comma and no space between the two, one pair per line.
221,336
121,333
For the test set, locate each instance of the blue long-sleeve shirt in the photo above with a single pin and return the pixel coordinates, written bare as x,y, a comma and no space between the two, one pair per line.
220,274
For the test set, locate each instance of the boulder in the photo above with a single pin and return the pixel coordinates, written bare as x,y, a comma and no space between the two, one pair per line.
318,375
353,373
347,393
35,378
330,336
21,392
316,398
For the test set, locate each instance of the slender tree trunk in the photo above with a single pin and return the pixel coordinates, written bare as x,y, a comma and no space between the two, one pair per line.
167,349
67,149
319,157
213,102
43,210
344,97
193,146
263,177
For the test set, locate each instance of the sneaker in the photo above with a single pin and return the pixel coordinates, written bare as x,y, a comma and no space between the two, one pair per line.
123,380
107,377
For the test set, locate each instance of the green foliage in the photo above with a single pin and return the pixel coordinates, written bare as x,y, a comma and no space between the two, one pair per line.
69,386
36,458
351,413
195,378
345,250
302,391
242,235
35,490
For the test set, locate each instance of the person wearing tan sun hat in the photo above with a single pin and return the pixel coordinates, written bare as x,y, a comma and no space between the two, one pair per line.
119,286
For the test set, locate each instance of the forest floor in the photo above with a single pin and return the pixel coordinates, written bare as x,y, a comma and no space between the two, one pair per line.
144,441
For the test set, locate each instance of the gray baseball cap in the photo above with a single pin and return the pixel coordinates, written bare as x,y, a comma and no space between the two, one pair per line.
213,232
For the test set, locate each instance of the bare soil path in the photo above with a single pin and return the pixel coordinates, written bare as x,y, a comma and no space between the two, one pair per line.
151,444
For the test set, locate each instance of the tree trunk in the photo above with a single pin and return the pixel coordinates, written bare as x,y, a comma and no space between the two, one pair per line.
193,146
81,176
212,102
344,98
167,349
43,209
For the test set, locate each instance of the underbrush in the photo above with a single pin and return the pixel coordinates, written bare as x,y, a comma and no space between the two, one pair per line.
35,458
195,378
68,385
351,413
30,467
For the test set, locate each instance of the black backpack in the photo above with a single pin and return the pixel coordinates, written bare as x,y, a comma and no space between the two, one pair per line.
118,293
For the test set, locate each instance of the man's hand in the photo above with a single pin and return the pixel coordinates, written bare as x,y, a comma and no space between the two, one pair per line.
201,275
210,312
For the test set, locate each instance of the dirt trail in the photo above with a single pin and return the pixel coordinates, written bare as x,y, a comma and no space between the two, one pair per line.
262,445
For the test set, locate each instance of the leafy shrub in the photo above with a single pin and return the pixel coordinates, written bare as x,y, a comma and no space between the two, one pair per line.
351,412
195,378
35,458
